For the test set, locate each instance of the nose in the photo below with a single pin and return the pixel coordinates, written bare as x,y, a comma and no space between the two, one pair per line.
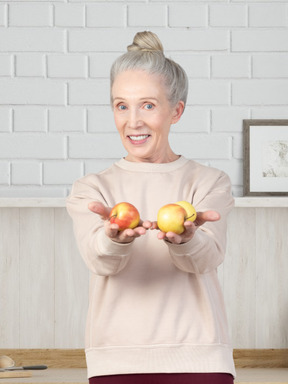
134,119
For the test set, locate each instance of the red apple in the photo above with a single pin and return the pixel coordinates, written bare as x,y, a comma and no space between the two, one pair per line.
125,215
171,217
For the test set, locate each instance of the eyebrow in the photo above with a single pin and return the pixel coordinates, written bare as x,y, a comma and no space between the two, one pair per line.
142,98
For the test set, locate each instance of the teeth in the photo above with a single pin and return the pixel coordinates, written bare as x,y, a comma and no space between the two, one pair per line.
141,137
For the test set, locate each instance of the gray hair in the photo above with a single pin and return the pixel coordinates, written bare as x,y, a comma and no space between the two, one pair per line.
146,53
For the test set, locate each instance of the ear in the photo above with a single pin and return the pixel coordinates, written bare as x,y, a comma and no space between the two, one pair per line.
178,110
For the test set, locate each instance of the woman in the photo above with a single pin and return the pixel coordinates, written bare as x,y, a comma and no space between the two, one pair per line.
156,312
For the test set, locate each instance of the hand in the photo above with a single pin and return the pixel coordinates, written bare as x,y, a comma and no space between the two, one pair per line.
190,228
112,230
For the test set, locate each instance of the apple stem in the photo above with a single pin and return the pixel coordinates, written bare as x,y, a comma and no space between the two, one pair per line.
189,217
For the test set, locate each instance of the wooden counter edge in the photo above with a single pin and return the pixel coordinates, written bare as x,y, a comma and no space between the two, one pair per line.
75,358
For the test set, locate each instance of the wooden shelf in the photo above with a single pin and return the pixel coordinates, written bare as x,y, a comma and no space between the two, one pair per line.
51,202
23,202
261,202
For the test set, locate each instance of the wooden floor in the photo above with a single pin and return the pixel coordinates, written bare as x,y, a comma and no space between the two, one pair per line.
78,376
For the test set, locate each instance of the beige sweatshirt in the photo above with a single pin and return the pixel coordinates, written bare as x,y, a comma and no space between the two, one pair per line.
154,306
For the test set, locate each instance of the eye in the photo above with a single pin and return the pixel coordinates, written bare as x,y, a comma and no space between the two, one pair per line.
148,106
121,107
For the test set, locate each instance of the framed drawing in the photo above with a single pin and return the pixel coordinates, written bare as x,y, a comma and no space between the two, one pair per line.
265,158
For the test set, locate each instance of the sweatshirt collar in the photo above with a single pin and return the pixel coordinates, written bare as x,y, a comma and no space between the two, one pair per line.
151,167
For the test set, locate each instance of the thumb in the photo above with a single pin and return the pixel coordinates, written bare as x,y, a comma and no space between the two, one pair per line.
202,217
99,209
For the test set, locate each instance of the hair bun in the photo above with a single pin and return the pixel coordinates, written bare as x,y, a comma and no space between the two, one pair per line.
146,42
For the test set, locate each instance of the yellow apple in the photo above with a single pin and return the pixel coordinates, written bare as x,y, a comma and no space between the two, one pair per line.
190,210
125,215
170,218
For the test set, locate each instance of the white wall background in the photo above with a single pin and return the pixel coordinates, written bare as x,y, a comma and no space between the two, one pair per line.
55,121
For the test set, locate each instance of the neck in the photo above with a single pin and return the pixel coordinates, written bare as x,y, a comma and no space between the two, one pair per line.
167,158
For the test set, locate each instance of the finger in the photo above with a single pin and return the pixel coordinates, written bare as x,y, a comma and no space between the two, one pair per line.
128,235
169,236
161,235
154,225
174,238
128,232
112,230
140,231
131,233
202,217
99,209
189,225
146,224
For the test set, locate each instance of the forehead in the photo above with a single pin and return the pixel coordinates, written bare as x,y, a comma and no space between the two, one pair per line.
138,82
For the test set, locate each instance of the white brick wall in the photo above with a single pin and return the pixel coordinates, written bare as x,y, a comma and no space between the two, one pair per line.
6,65
67,66
148,15
30,119
32,92
55,58
106,15
67,119
4,173
187,15
268,15
3,13
32,147
69,15
5,119
30,15
26,173
30,65
231,15
32,40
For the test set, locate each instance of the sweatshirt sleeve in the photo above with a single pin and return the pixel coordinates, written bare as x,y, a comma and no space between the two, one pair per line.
206,250
101,255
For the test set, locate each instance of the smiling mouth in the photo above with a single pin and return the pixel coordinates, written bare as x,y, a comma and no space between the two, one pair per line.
138,139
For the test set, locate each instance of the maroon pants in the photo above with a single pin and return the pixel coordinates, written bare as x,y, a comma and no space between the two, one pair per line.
165,378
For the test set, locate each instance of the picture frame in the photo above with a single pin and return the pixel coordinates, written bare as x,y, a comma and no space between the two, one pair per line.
265,157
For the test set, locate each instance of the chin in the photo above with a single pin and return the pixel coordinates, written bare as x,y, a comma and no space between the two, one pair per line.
137,155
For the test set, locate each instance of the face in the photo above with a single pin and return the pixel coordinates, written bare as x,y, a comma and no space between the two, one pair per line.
143,116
